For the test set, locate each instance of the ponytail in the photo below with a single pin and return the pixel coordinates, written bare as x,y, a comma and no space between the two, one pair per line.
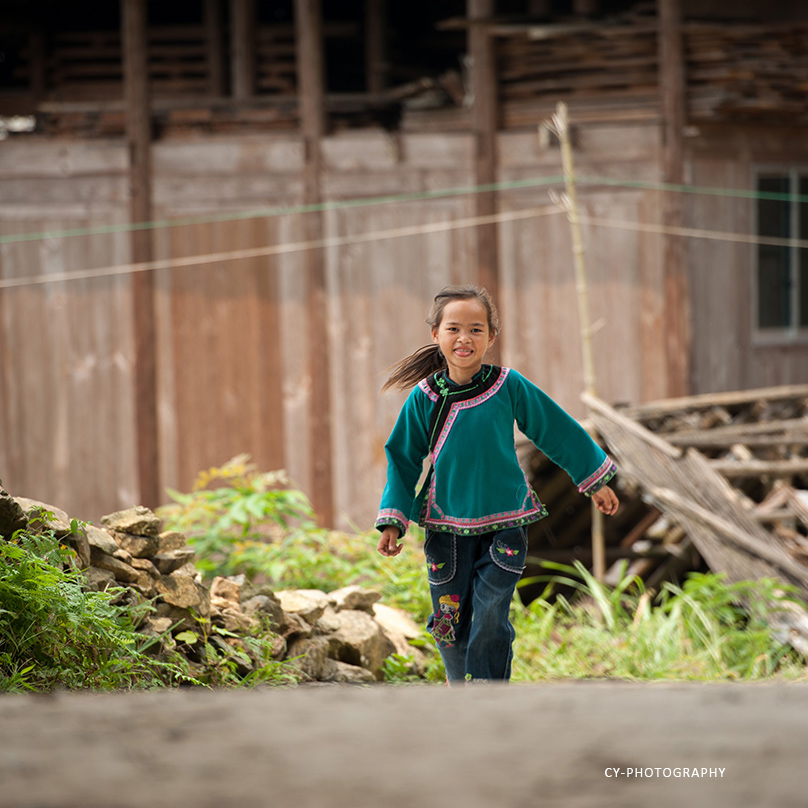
407,372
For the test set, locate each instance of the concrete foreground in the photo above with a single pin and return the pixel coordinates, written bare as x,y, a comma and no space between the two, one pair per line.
551,745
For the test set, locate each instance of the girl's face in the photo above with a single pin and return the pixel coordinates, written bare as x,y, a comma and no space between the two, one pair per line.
463,336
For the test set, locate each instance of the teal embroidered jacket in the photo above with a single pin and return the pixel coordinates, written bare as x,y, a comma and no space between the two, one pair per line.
476,484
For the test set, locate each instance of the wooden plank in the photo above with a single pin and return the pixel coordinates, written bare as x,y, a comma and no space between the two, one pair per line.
733,398
677,293
311,73
242,61
138,134
376,56
484,126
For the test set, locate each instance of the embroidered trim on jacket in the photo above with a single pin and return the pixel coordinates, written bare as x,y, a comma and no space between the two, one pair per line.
597,480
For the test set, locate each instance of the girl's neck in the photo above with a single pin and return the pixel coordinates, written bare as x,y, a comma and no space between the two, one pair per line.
461,378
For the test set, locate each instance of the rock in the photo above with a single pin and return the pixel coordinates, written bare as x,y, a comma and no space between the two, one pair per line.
58,521
120,569
123,555
184,593
12,516
100,538
159,625
172,560
145,585
347,674
263,604
189,571
180,619
328,622
307,603
360,641
171,540
294,626
78,541
138,521
230,618
226,589
310,655
397,620
138,546
354,597
144,565
99,579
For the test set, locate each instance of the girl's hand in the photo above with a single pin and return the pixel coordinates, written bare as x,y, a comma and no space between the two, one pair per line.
388,543
606,500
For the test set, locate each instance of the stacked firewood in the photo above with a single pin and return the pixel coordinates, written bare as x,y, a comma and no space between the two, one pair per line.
748,449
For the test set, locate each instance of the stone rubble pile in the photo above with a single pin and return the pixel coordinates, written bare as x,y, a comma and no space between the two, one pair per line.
341,636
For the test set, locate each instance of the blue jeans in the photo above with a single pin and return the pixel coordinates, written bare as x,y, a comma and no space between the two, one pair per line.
472,580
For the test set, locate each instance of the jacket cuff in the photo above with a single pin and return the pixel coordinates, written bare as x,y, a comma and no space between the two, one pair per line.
596,481
390,517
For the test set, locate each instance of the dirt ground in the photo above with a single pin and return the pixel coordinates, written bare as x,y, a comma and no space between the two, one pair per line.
552,745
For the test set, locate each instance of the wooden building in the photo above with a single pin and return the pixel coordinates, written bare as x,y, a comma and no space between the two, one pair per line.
231,216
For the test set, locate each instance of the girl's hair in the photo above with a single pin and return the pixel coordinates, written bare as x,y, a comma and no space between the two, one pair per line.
427,360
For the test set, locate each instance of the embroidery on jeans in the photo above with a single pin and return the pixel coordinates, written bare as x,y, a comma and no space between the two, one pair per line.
508,551
444,620
434,566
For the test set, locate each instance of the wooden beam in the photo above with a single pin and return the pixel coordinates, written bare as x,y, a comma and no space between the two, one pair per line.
484,118
214,47
242,24
376,64
672,87
311,91
37,47
138,136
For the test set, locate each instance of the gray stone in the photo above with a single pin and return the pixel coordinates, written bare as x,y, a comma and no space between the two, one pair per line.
171,540
159,625
307,603
184,593
145,585
397,620
58,521
226,589
354,597
173,560
360,641
99,579
78,541
121,570
100,538
347,674
181,619
263,604
138,546
12,516
311,657
144,565
328,622
294,626
123,555
138,521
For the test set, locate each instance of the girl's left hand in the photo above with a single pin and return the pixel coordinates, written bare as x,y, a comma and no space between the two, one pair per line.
606,500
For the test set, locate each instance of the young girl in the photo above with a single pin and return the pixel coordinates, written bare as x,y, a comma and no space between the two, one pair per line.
476,501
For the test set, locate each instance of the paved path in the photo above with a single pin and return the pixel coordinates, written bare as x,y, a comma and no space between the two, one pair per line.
410,747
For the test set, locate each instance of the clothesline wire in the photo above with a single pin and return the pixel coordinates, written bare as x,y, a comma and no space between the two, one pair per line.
441,193
399,232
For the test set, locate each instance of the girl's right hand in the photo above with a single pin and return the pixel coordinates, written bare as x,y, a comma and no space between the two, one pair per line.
388,543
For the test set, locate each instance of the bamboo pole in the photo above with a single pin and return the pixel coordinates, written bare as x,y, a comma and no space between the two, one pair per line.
560,126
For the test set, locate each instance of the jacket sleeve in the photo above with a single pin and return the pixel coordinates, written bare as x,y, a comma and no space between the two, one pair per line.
560,436
406,449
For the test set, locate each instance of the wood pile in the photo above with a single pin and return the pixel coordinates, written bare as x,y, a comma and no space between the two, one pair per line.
609,71
728,465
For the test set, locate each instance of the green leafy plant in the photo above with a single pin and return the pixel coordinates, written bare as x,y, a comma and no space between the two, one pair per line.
704,629
55,633
231,525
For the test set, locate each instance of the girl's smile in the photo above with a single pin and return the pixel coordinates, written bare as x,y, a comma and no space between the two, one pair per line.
463,337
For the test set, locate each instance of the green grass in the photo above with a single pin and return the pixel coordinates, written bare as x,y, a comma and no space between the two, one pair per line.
706,629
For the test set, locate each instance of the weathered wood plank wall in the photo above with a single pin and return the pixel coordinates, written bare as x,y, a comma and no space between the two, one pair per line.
233,336
728,354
